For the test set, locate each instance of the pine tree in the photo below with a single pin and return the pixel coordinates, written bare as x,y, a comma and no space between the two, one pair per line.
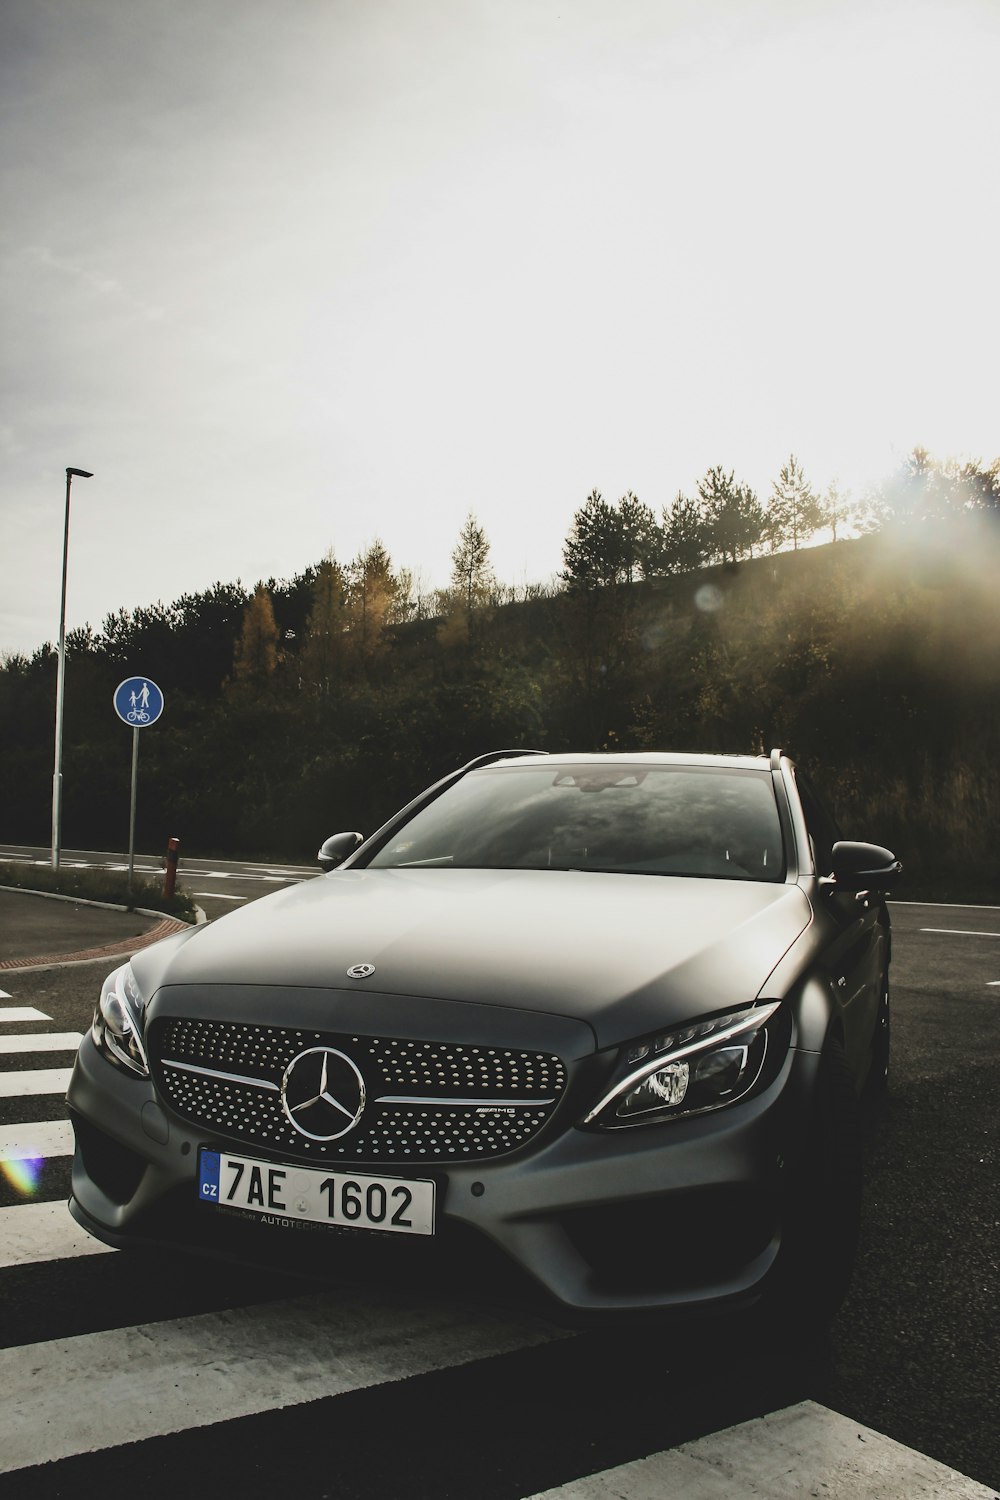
835,508
376,600
593,550
473,586
610,544
734,518
321,656
640,538
471,576
256,653
686,542
793,513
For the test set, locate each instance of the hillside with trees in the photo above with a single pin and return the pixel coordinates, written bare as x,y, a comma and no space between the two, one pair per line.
304,706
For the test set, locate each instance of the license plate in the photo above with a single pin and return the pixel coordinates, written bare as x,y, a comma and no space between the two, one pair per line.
314,1195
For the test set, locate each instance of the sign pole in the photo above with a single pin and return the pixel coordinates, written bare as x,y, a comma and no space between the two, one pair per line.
131,816
138,702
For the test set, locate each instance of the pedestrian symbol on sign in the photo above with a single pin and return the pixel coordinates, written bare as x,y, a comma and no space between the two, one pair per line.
138,702
139,711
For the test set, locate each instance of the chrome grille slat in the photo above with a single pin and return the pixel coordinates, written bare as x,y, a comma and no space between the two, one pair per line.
186,1067
429,1101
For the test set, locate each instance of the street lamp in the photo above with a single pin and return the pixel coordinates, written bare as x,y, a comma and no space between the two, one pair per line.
61,681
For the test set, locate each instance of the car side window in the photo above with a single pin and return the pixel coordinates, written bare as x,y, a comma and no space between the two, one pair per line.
821,825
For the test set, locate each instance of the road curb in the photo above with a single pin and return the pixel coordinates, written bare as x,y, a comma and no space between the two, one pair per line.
142,911
167,926
163,929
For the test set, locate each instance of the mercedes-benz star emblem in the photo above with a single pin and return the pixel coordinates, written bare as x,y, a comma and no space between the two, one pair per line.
361,971
322,1093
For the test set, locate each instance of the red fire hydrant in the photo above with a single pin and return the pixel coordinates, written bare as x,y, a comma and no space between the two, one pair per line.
170,868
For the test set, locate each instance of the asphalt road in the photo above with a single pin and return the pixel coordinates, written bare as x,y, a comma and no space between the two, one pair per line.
215,885
917,1344
914,1353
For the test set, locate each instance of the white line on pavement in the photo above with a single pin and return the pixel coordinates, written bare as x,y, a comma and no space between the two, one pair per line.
960,932
34,1232
35,1081
804,1450
42,1041
947,905
42,1138
14,1013
80,1395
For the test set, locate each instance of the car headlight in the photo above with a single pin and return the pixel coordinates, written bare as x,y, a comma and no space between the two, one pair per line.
117,1024
691,1069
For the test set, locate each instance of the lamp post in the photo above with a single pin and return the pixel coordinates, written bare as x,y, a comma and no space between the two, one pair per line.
61,681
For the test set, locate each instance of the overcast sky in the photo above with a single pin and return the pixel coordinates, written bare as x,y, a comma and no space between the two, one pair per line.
288,277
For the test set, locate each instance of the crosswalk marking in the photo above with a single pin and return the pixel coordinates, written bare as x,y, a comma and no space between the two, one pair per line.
80,1395
769,1456
44,1138
35,1081
42,1041
12,1013
34,1232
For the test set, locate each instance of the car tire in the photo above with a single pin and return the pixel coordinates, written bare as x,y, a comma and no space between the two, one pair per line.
823,1206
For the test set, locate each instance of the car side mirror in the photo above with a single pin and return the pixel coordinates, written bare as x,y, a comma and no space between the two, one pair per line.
864,867
333,851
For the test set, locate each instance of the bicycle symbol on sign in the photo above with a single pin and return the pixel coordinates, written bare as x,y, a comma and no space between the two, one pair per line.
138,702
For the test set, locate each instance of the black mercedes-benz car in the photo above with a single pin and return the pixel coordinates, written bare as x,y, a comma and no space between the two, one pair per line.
610,1016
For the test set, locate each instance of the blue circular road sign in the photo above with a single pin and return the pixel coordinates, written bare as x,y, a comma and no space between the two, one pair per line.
138,702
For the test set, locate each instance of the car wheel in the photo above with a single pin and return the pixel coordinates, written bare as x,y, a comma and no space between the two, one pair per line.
823,1208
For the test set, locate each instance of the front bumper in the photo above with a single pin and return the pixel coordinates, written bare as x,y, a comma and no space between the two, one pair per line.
682,1216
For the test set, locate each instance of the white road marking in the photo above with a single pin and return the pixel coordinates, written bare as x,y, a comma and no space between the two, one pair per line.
43,1138
804,1450
960,932
946,905
42,1041
80,1395
21,1013
218,896
4,995
34,1081
34,1232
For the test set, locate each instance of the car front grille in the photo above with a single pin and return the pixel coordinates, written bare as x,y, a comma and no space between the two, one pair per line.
422,1101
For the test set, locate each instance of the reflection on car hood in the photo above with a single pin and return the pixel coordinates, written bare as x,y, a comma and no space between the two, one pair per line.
624,953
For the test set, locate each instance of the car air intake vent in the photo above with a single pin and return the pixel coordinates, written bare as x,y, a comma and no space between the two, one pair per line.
327,1096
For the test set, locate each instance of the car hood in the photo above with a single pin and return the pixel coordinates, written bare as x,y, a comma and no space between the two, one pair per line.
622,953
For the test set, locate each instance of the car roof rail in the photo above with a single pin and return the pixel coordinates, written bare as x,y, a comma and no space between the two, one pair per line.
492,755
777,756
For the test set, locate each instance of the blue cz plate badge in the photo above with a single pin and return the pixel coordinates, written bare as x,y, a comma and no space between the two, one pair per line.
315,1195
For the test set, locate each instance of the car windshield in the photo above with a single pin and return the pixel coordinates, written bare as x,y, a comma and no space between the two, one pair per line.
642,820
